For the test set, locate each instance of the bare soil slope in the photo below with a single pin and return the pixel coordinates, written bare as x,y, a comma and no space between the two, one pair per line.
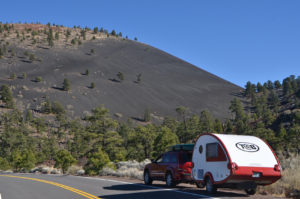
166,81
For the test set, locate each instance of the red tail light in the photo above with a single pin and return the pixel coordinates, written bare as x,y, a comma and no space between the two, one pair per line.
232,165
277,167
189,165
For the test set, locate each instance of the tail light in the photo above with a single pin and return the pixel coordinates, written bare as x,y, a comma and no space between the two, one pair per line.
277,167
232,165
189,165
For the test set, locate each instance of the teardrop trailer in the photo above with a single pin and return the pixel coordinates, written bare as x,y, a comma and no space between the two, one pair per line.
219,161
233,161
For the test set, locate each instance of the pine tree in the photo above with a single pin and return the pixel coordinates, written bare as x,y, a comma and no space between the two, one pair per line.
270,85
50,37
259,87
164,140
83,34
63,160
277,84
13,76
6,96
66,85
93,85
47,107
250,89
218,126
120,76
287,87
29,116
237,108
147,115
113,33
95,30
206,122
96,161
139,78
38,79
57,35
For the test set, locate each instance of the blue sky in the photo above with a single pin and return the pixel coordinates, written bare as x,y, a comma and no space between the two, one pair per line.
238,40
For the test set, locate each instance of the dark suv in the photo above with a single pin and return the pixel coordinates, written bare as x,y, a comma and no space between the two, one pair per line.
174,166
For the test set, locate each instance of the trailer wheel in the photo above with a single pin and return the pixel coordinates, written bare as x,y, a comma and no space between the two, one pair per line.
147,179
169,180
200,185
210,187
250,191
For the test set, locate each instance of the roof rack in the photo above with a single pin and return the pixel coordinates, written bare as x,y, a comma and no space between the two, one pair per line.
182,147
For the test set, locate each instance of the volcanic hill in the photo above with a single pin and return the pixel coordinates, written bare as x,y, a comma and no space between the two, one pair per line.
37,58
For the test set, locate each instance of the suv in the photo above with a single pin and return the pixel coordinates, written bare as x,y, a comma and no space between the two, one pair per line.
174,166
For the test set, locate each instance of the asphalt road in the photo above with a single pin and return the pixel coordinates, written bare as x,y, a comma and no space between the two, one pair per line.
37,186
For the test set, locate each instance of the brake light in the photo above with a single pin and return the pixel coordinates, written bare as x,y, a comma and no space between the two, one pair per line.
277,167
188,165
232,165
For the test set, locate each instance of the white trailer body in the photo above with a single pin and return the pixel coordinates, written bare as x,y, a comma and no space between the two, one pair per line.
234,160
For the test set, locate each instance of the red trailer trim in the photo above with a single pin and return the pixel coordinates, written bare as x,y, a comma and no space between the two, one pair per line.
268,175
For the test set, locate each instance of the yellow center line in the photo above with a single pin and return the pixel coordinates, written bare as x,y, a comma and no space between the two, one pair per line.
79,192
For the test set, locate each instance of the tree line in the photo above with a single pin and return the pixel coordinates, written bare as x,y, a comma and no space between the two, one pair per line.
271,112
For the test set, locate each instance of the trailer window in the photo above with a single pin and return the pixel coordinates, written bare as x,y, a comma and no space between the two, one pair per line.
215,153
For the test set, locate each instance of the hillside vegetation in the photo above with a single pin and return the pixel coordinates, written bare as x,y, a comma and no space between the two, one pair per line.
83,68
29,138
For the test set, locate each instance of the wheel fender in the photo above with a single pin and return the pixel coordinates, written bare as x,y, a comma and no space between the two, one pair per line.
209,175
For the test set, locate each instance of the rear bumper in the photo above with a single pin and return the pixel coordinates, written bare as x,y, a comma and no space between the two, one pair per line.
184,177
265,175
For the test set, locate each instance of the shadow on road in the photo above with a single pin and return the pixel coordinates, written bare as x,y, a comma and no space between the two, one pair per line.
159,191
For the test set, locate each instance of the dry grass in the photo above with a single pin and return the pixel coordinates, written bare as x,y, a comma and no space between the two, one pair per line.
289,184
129,169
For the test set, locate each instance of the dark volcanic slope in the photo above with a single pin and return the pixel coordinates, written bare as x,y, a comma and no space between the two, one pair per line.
167,82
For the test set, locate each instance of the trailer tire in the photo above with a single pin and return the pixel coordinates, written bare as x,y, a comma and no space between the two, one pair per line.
147,179
169,180
210,187
200,185
250,191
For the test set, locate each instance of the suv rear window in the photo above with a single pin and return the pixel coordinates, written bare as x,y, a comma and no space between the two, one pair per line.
170,158
186,157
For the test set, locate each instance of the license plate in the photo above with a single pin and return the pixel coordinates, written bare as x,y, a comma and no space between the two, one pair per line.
256,175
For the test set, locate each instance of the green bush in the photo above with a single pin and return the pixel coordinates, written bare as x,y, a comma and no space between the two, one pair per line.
38,79
96,161
66,85
4,164
57,108
63,159
6,96
93,85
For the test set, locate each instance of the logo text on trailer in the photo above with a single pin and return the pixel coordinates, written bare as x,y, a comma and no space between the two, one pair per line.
246,146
